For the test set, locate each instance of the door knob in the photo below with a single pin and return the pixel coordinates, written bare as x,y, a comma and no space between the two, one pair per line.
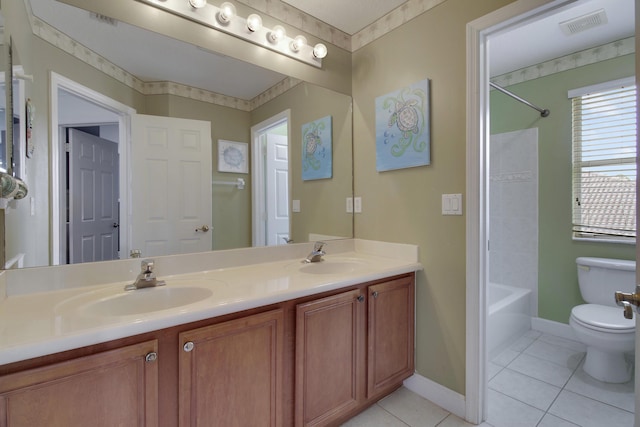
204,228
627,301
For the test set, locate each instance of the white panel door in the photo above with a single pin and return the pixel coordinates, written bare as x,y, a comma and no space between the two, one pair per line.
277,191
93,198
171,185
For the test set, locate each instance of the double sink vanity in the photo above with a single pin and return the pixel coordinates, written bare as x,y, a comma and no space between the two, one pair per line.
245,337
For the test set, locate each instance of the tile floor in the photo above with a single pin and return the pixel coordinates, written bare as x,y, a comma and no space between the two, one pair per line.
537,381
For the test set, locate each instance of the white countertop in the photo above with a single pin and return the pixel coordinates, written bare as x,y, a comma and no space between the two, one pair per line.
37,323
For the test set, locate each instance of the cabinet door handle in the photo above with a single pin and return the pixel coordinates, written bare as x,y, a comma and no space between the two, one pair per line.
151,357
375,294
360,298
188,346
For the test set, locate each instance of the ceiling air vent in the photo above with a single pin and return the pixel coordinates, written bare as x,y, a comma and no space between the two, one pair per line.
584,22
104,19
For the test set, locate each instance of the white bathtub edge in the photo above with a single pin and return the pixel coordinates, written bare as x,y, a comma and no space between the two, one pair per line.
442,396
552,327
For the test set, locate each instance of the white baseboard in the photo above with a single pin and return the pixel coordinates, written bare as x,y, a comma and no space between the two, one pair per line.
440,395
551,327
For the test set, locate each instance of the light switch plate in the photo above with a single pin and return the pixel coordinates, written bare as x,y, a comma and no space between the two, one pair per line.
349,204
452,204
357,204
295,205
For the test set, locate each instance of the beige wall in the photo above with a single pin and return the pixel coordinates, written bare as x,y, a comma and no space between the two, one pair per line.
405,205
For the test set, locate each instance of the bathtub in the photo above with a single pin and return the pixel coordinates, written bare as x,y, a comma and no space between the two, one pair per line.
508,316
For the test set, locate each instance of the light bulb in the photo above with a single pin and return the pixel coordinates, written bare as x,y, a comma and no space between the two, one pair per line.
277,34
197,3
227,12
319,51
298,43
254,22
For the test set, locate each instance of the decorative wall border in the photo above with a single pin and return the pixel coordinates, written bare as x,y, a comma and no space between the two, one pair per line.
397,17
578,59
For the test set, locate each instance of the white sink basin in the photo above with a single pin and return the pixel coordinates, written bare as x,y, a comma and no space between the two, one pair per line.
146,300
114,301
332,267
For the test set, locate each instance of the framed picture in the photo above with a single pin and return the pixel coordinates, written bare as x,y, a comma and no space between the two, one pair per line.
317,157
403,137
233,156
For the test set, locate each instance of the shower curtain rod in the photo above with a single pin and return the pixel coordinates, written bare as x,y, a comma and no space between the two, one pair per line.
543,112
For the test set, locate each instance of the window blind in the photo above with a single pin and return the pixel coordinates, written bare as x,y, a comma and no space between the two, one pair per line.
604,164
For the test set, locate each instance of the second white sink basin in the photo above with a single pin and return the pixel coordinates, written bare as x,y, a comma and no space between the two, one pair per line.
146,300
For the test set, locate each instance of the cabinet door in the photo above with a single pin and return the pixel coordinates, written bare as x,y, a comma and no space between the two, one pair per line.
329,358
114,388
231,373
390,334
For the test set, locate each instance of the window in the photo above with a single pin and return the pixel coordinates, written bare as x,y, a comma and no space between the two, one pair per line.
604,161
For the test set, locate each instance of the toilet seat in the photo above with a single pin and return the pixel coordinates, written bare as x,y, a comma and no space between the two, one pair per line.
602,318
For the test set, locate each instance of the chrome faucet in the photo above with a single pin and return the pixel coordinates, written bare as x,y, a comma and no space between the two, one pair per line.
316,254
146,278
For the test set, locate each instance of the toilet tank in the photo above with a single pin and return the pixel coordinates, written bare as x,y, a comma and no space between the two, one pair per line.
599,278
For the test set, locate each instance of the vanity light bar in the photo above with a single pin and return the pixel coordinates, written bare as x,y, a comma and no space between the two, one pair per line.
209,15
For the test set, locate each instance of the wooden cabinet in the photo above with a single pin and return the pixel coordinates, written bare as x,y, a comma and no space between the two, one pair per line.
231,373
113,388
329,354
390,335
351,349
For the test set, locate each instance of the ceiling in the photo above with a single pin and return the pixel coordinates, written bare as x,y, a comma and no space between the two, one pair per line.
153,57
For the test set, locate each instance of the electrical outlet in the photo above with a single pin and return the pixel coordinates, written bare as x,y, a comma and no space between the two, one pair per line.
357,204
349,204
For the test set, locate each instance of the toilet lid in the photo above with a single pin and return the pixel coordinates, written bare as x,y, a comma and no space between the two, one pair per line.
602,316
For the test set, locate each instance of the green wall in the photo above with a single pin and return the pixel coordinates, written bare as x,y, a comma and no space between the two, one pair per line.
557,251
405,205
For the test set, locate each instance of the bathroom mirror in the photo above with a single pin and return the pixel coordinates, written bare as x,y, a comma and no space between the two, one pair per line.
51,52
11,154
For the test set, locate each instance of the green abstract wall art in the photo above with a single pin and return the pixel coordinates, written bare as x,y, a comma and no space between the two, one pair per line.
317,149
402,128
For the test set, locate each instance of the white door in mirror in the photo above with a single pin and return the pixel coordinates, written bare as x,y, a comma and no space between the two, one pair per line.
171,185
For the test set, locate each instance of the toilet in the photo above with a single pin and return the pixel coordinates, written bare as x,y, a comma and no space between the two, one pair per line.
600,324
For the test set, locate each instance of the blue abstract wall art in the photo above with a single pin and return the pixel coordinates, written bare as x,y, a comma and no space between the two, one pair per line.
317,158
402,128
